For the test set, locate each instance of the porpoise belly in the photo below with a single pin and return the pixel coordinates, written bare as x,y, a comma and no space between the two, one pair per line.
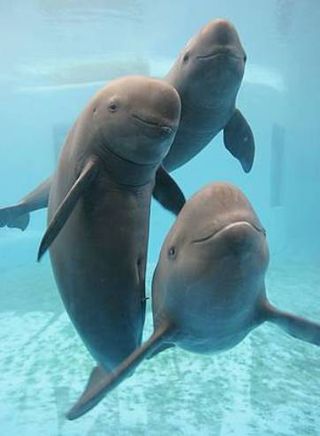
214,331
187,144
216,343
198,126
99,261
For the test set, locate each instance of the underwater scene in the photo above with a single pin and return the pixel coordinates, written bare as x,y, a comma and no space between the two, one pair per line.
159,215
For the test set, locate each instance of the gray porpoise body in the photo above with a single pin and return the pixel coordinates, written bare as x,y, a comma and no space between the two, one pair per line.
208,289
207,75
99,256
99,262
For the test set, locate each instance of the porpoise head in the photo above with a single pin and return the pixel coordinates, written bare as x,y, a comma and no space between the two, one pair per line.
137,118
213,60
213,260
126,129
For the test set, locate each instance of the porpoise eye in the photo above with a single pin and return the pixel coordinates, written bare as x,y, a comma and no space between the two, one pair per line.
185,57
245,58
113,107
172,252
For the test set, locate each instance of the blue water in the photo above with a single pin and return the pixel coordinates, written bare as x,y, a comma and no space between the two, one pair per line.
55,55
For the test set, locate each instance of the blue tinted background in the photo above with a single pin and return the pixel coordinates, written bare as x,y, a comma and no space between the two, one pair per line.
54,55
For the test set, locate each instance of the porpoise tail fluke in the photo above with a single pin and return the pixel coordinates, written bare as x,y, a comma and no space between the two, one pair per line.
92,397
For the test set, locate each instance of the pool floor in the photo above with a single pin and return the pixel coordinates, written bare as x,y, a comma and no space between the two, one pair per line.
267,385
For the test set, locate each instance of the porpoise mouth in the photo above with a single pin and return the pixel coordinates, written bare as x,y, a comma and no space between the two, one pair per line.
220,53
153,124
228,227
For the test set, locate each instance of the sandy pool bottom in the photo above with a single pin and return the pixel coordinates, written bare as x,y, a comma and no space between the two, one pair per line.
268,385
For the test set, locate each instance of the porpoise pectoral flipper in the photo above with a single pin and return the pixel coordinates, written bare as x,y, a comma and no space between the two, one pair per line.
165,346
88,173
167,192
96,374
296,326
238,139
97,390
14,217
39,197
18,216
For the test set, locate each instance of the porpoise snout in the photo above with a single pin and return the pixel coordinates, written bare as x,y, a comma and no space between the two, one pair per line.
238,231
241,236
159,111
221,40
222,31
163,126
243,227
